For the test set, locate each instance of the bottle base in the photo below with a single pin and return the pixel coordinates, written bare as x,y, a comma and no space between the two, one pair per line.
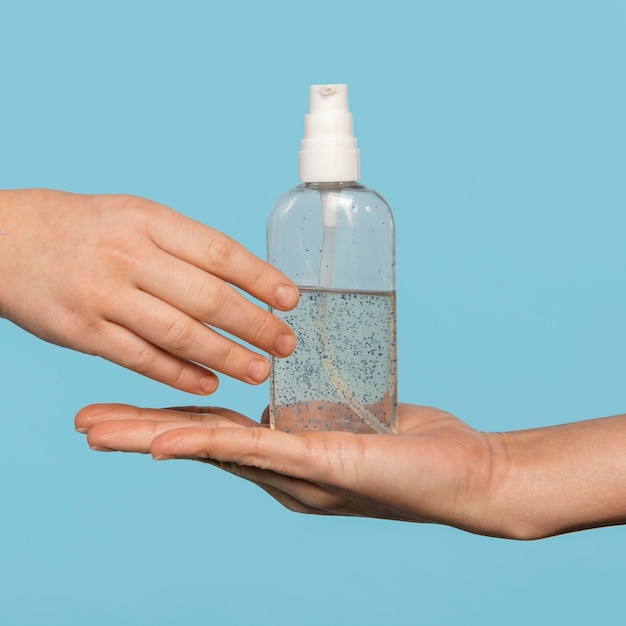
330,416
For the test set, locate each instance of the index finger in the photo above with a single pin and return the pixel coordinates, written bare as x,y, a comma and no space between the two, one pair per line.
312,456
222,256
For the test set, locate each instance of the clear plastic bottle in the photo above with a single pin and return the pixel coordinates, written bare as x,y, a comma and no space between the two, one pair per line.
335,238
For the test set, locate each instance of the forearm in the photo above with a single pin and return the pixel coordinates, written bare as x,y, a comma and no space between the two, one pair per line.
558,479
10,216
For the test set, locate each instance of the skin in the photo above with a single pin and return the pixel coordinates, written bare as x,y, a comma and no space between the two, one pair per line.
138,284
520,485
145,287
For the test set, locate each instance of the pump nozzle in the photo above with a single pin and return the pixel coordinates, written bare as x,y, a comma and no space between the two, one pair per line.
329,152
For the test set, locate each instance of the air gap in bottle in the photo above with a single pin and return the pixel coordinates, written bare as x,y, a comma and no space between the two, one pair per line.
335,238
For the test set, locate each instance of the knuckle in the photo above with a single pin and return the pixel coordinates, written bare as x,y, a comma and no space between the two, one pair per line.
149,362
133,206
145,362
263,329
260,277
211,299
179,377
180,335
94,328
229,359
220,251
93,333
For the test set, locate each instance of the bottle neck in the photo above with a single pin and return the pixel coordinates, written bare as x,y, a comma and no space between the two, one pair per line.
332,186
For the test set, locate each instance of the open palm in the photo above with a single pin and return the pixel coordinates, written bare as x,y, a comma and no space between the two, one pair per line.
431,472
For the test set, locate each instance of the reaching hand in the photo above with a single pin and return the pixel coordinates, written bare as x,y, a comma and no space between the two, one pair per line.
134,282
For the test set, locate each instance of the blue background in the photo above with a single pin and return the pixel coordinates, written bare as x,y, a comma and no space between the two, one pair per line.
497,132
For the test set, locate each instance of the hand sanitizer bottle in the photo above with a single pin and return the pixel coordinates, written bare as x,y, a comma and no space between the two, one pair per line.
335,238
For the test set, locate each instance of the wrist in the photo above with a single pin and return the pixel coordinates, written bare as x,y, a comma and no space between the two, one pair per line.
558,479
530,495
491,502
510,501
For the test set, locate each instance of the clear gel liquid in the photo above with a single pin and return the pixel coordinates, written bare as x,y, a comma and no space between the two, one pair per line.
343,374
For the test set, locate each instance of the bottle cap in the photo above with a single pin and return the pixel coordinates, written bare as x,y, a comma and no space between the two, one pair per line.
329,152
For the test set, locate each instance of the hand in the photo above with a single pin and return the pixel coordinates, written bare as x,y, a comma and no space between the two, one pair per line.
134,282
436,470
521,484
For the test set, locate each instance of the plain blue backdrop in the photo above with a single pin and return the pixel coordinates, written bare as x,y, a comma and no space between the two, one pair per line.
497,132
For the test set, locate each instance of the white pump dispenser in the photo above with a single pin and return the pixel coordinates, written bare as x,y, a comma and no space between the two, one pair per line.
329,152
335,238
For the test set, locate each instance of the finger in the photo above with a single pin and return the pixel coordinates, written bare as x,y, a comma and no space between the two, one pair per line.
120,345
198,411
209,299
95,413
265,418
137,436
122,436
188,339
288,501
222,256
296,456
293,504
300,496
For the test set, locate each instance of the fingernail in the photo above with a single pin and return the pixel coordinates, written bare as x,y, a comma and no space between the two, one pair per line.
259,370
287,296
285,344
162,457
82,431
208,384
101,449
